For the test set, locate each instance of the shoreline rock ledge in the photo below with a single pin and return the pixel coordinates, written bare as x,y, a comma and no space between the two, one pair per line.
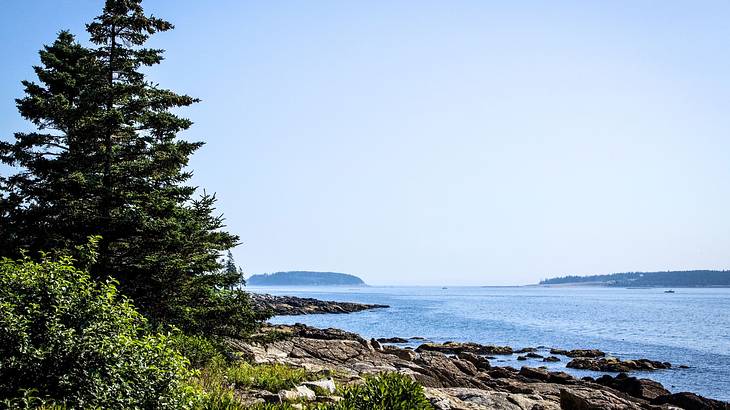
461,381
292,305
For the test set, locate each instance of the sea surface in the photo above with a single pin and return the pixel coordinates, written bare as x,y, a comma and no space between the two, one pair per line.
690,327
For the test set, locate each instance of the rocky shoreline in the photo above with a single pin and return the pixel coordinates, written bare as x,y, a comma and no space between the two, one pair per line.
292,305
456,375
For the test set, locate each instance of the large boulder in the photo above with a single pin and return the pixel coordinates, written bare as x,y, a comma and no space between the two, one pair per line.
534,374
480,362
581,398
691,401
641,388
476,399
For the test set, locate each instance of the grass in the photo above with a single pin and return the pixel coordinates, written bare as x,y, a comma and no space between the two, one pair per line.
271,377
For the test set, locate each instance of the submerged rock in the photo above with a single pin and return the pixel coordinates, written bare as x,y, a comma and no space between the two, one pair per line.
551,359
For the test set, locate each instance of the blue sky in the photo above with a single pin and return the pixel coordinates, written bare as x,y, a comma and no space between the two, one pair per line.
451,142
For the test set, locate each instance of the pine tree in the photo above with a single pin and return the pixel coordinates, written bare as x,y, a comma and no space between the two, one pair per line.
233,272
106,161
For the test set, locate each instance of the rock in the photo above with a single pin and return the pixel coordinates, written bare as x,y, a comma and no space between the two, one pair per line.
456,348
612,364
326,385
439,370
592,399
691,401
404,354
291,305
376,345
561,378
534,355
526,350
470,398
551,359
392,340
521,358
464,380
641,388
480,362
298,393
579,352
505,372
534,374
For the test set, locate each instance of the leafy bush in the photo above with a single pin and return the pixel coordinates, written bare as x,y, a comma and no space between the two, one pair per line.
387,391
77,342
199,350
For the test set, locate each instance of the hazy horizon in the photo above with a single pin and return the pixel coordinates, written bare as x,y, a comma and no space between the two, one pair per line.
429,143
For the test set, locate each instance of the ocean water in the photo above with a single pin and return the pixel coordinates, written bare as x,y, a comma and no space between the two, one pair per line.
689,327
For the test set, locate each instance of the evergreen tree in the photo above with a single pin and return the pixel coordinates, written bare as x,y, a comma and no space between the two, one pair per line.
233,272
106,161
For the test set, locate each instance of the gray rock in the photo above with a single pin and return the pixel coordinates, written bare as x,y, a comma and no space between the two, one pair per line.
326,385
592,399
297,393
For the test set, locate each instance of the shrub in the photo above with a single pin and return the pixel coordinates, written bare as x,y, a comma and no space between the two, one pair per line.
77,342
199,350
387,391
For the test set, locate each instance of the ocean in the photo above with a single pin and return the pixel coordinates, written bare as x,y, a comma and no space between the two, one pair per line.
689,327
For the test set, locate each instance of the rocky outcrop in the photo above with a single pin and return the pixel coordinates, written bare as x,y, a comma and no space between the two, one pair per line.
582,398
641,388
579,352
396,340
291,305
612,364
691,401
456,348
458,377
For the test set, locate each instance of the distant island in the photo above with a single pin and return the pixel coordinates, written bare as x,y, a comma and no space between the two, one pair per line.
689,278
305,278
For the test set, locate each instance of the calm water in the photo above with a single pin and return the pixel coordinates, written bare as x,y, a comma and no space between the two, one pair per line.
691,326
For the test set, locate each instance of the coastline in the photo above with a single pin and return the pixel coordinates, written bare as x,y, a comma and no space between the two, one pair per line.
457,375
460,375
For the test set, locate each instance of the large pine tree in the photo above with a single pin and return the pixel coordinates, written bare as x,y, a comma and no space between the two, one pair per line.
106,160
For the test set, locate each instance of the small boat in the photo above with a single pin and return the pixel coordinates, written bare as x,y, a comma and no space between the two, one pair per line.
669,291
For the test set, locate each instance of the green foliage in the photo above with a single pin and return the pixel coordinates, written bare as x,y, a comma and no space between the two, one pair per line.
71,340
387,391
219,398
106,160
199,350
271,377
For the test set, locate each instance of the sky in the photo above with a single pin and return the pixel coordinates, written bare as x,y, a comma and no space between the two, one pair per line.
443,142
